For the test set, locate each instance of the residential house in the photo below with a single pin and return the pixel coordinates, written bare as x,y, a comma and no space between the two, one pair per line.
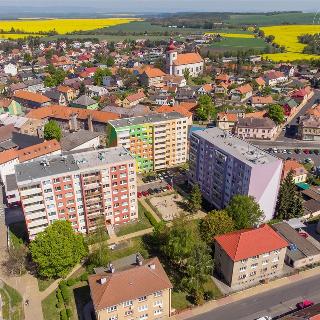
142,289
176,108
96,91
287,69
260,83
162,99
152,77
85,102
80,140
226,121
260,101
222,78
309,128
289,106
133,99
56,97
205,89
34,85
11,69
30,99
255,128
301,96
273,78
69,93
246,257
10,106
241,93
221,89
174,81
298,170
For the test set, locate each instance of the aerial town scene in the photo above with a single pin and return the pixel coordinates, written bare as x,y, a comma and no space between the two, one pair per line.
159,160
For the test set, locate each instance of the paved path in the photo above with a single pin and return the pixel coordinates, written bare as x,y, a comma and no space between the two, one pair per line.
274,298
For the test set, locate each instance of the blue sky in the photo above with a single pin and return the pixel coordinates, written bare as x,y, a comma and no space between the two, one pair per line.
172,5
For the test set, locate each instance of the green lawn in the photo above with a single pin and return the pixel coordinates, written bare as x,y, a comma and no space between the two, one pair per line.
239,43
12,301
49,309
142,224
43,284
180,301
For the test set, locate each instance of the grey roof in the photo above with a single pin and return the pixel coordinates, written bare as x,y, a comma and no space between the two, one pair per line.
236,147
311,206
76,139
58,165
304,247
53,95
11,182
264,123
150,118
84,101
136,111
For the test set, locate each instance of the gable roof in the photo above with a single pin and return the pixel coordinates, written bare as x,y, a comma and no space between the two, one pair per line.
8,155
244,89
128,284
262,100
175,108
226,116
153,72
31,96
63,112
84,100
297,168
135,96
247,243
187,58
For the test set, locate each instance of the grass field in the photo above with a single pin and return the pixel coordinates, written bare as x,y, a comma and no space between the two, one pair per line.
288,36
62,26
233,35
239,43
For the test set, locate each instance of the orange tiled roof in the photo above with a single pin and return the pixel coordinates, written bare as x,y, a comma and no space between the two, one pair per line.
38,150
257,114
294,166
63,112
8,155
260,81
154,72
314,111
247,243
190,106
187,58
262,100
64,89
136,96
31,96
176,108
231,117
244,89
222,77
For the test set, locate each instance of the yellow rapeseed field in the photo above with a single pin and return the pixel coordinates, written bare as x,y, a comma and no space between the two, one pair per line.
233,35
62,26
288,36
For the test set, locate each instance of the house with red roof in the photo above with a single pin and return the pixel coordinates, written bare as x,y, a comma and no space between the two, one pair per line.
241,93
151,77
302,95
249,256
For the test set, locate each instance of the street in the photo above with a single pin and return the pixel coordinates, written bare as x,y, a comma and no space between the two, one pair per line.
273,303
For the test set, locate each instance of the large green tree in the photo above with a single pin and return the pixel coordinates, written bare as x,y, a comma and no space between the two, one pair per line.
52,131
99,74
205,109
57,250
215,223
56,76
244,211
289,203
276,113
195,199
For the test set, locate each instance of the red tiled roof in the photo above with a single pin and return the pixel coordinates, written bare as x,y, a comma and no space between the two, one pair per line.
244,89
262,100
224,116
187,58
63,112
128,284
31,96
260,81
176,108
297,168
222,77
8,155
244,244
136,96
153,72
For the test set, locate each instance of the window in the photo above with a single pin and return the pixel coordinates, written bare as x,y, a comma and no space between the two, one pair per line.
253,273
144,298
265,262
243,269
266,255
244,260
157,294
276,259
242,276
112,308
254,266
156,312
59,196
143,316
143,308
157,303
127,303
128,313
113,318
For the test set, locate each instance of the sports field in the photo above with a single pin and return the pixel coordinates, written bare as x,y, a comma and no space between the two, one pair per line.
61,26
288,36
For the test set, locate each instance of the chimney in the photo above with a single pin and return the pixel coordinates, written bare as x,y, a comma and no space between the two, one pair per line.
74,122
152,266
90,125
138,260
103,280
111,268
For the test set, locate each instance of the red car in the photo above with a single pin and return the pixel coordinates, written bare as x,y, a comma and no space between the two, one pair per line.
303,234
139,195
145,193
168,187
305,304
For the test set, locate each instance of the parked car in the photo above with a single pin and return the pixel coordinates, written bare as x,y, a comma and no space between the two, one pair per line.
265,318
145,193
305,304
139,195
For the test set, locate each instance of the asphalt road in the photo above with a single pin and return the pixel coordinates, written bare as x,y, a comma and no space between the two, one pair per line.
273,303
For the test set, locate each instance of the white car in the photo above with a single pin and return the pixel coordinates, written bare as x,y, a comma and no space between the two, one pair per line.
264,318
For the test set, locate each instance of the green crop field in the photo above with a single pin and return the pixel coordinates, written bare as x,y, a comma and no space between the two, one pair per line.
239,43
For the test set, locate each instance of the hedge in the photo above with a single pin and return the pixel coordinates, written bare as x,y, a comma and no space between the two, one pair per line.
151,218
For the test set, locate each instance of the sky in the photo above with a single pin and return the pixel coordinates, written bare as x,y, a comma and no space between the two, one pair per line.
168,5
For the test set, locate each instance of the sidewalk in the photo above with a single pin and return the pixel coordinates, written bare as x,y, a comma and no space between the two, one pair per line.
211,305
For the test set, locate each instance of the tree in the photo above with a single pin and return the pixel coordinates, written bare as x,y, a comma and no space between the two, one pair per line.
289,202
215,223
52,131
198,268
82,89
244,211
56,76
195,199
15,262
276,113
205,109
99,74
57,250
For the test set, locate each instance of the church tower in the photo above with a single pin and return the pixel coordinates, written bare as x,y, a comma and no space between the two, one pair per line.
171,55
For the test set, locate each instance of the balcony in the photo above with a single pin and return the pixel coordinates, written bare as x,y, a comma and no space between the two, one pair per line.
34,207
38,223
32,200
30,192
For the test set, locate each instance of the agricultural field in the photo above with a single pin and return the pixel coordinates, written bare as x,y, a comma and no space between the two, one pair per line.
15,36
233,35
288,36
61,26
238,43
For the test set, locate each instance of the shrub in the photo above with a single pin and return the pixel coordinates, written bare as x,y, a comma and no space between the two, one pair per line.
71,282
69,313
209,295
151,218
63,314
66,294
59,296
84,277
